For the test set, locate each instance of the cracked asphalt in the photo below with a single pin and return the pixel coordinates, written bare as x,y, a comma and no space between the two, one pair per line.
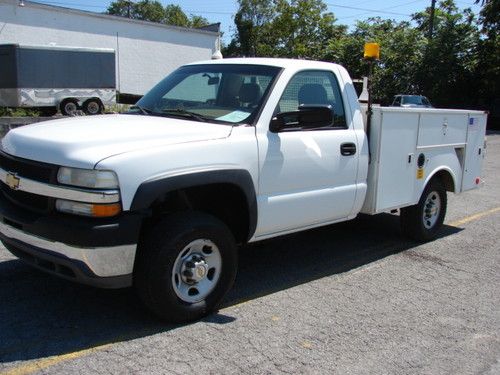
352,298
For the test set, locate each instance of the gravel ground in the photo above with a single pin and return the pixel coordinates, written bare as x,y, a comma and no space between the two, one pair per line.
353,298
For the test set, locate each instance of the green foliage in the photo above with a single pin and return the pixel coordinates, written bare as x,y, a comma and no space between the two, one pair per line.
18,112
153,10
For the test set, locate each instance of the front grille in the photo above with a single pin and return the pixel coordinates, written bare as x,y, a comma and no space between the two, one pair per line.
34,202
33,170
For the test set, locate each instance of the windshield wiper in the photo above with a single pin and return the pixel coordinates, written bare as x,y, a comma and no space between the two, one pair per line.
143,110
184,113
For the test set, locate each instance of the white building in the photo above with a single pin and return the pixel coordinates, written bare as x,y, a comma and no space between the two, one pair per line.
145,51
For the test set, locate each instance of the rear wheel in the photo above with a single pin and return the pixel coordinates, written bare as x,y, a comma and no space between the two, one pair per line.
185,266
92,107
69,107
423,221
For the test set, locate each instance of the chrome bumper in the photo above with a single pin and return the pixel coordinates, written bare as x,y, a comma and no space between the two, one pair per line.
102,261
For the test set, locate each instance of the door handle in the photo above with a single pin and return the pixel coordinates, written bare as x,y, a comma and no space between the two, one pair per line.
347,149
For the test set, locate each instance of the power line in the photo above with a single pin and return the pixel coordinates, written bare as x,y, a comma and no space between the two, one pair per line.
383,9
368,10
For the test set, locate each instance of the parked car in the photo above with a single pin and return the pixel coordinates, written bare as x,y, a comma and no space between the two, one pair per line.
411,101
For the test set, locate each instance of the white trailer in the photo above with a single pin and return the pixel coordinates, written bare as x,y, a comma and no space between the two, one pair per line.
51,78
145,51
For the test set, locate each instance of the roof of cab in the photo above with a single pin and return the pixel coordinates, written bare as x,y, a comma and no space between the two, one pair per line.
282,63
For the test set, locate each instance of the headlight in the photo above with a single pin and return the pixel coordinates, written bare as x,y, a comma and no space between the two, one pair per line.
88,178
88,209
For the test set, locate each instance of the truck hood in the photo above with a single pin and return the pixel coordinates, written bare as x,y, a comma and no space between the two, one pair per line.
83,141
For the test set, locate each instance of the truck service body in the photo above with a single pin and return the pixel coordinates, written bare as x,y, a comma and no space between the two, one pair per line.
263,148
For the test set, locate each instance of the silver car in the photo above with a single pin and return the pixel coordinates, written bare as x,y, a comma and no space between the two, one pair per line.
411,101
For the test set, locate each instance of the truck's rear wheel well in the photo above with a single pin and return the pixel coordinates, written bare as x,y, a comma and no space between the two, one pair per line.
226,202
446,180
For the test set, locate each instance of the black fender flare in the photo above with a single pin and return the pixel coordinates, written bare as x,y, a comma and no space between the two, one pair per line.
150,190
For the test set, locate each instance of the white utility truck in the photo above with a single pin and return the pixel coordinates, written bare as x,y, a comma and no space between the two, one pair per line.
222,153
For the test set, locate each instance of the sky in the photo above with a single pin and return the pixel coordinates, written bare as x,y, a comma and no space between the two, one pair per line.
347,12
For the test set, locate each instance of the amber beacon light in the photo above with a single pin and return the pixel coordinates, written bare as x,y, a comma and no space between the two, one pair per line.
372,51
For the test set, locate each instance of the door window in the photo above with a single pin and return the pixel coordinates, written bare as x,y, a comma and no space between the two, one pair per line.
314,87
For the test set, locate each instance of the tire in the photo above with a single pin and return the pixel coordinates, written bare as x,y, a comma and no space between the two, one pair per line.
423,221
92,107
69,107
185,265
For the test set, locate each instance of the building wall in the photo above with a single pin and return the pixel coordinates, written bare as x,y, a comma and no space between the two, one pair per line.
145,52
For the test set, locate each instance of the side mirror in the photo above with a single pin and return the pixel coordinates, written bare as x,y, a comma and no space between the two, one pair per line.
213,81
306,117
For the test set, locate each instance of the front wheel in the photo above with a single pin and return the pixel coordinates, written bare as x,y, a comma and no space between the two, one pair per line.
185,266
423,221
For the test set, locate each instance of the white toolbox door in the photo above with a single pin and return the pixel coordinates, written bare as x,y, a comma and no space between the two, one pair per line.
396,169
438,129
474,151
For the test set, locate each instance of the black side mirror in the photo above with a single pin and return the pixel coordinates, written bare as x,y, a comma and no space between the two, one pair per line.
306,117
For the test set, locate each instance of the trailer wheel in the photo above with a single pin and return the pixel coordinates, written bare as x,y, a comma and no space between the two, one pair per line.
92,106
69,107
423,221
185,265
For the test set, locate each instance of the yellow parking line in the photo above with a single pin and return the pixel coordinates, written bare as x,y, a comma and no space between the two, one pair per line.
52,361
473,217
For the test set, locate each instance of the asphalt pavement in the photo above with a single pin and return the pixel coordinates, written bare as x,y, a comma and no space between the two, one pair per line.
352,298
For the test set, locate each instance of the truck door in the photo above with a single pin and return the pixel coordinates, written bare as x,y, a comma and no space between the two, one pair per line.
307,177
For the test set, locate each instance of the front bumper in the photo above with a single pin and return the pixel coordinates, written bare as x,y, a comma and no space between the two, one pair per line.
98,252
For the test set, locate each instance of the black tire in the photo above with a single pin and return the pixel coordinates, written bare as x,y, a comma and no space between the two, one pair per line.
92,107
425,228
160,251
69,107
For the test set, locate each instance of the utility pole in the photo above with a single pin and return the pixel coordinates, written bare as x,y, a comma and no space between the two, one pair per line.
431,19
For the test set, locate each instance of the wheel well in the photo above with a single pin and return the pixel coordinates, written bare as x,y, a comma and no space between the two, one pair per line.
225,201
446,179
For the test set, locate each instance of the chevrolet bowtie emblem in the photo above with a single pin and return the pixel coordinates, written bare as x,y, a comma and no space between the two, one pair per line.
12,181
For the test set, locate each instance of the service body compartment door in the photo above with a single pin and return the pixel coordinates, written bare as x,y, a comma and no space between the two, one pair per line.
396,160
438,129
474,151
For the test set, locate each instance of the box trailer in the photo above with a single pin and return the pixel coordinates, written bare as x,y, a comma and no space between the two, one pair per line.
51,78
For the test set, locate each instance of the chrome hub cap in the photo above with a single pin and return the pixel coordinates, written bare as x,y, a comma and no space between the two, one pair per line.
196,270
432,209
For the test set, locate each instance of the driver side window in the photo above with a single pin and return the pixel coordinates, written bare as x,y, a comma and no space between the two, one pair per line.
313,87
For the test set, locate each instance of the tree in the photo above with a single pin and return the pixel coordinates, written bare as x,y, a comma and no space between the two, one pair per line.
295,28
152,10
488,67
447,71
175,16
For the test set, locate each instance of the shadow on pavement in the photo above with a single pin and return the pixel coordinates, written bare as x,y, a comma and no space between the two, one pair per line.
42,316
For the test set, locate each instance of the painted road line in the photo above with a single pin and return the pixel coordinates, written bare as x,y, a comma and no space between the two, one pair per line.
474,217
52,361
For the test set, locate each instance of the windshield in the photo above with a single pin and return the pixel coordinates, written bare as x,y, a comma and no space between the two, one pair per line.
415,99
217,93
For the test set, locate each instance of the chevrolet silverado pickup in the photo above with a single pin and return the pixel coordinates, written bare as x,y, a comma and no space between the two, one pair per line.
222,153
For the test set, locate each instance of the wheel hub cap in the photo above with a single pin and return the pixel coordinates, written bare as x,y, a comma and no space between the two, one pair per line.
432,210
196,270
